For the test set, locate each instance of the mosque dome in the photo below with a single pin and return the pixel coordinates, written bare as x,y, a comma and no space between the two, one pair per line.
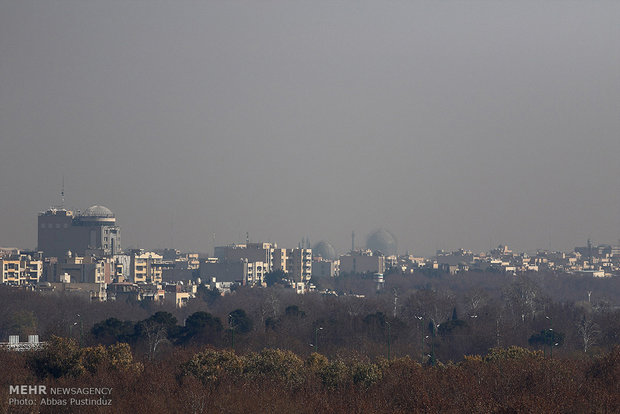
325,250
98,211
98,215
382,241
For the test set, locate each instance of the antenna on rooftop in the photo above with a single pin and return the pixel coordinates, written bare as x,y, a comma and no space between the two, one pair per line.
353,241
62,193
172,230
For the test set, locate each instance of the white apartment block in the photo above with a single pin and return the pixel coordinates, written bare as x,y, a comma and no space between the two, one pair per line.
20,270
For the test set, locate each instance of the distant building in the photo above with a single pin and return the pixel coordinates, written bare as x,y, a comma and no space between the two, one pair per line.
79,269
20,270
252,252
362,261
178,294
297,263
242,271
93,292
92,232
14,343
325,268
146,267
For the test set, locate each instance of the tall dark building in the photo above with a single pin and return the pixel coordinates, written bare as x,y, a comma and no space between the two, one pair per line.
92,232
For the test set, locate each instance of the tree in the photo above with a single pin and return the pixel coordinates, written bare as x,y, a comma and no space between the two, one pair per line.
274,277
165,319
240,321
113,330
294,311
547,337
207,294
588,332
201,326
155,330
154,334
447,327
524,298
60,357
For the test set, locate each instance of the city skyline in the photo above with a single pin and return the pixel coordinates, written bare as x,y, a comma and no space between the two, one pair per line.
452,125
379,240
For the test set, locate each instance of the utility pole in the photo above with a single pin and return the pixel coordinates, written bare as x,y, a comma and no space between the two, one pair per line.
389,340
232,332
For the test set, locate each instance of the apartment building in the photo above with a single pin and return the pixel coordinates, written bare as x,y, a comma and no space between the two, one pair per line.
20,270
146,267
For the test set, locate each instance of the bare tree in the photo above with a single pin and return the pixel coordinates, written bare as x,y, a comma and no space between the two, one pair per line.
154,333
588,332
475,299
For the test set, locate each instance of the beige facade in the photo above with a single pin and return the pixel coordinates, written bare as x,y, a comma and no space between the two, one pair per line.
79,269
279,259
146,267
255,273
20,270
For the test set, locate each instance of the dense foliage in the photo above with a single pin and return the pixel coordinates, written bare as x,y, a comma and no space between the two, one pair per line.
513,380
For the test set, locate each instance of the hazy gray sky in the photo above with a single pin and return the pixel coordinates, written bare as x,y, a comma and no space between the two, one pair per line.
450,123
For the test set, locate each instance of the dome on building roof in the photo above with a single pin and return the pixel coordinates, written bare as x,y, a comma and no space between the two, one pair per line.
325,250
98,211
382,241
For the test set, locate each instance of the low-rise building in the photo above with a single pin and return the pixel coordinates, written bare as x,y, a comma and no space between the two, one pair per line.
325,268
362,261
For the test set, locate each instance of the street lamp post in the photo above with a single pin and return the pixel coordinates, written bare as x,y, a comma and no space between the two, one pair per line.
389,340
316,338
71,329
421,338
433,334
232,332
552,335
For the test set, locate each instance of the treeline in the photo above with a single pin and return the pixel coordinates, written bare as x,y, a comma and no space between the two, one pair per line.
423,316
512,380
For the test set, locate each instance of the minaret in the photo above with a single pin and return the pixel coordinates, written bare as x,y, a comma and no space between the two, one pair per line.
352,241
